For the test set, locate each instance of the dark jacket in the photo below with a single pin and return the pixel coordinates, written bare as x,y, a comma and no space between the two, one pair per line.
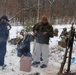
41,28
23,47
64,33
4,32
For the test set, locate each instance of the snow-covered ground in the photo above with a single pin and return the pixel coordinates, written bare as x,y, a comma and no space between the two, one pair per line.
55,56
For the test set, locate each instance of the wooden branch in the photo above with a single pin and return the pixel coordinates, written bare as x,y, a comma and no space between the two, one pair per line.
16,14
51,2
63,62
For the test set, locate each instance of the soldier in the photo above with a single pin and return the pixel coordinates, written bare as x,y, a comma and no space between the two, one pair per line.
64,38
64,32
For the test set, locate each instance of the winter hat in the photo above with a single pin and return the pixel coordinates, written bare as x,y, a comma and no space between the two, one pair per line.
4,17
44,18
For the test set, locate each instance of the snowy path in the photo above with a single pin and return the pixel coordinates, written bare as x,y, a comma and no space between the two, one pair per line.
13,61
13,66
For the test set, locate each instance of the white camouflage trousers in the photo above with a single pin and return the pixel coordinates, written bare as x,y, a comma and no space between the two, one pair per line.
41,49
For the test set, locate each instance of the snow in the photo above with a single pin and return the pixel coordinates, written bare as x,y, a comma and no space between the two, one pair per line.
15,31
55,55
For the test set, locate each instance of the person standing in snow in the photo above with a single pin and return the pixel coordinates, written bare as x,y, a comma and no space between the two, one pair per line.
4,33
42,31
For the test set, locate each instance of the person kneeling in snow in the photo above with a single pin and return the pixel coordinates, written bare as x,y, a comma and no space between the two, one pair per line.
23,46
